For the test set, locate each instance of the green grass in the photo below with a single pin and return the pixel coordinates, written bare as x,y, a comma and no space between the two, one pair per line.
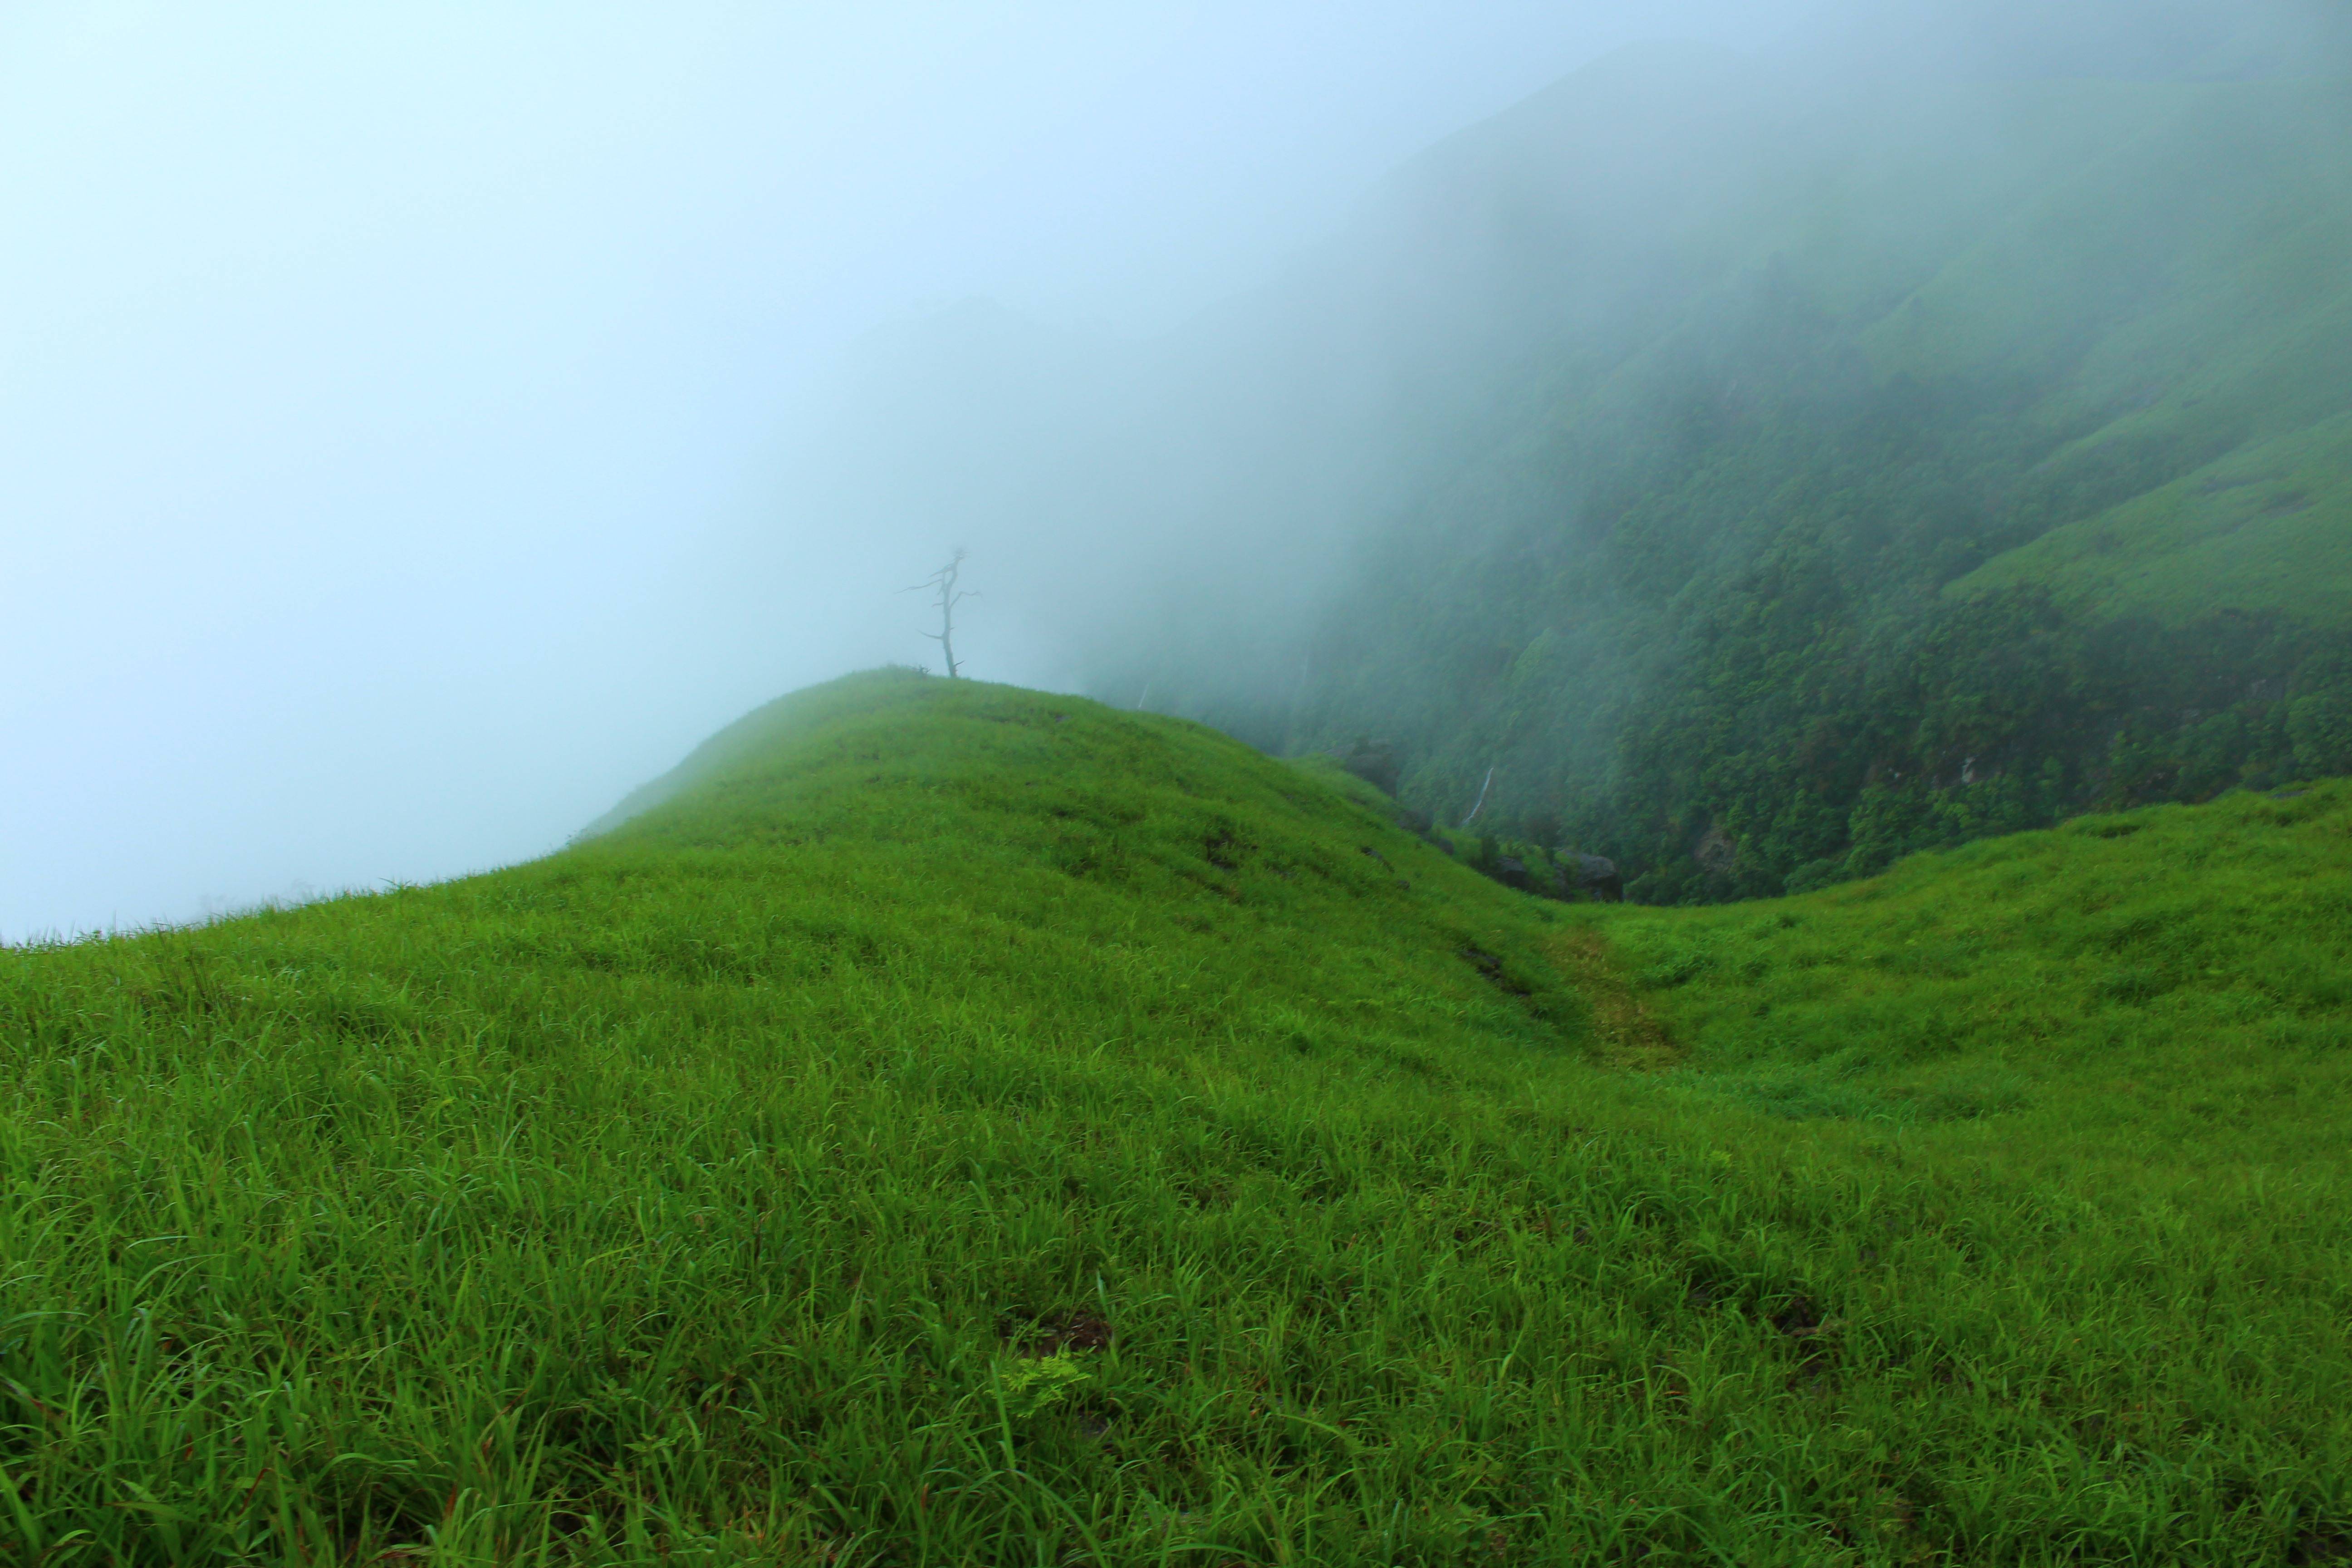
2262,530
2164,996
2195,271
954,1124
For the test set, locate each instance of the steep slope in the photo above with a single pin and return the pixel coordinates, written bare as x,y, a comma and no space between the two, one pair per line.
1764,470
950,1123
1996,475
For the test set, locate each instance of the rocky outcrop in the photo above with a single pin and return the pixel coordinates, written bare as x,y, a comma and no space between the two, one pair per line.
1714,852
1593,876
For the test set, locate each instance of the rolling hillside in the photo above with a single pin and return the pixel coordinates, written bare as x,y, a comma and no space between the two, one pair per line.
948,1123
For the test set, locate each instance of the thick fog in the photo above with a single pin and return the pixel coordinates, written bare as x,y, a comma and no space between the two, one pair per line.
420,426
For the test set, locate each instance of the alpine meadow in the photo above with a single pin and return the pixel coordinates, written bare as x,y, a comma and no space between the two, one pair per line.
1665,877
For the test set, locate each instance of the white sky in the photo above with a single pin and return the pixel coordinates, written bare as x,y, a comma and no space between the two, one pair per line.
375,380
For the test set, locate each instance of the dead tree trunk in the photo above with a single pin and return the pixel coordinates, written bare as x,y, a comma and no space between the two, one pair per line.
943,584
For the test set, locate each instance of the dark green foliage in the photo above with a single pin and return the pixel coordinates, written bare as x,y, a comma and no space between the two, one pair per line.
1984,716
1816,704
1818,709
2319,716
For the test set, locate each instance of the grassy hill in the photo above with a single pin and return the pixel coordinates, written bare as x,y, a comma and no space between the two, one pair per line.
945,1124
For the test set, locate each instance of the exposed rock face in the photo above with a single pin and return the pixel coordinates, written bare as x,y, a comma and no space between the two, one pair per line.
1375,763
1595,876
1715,851
1512,872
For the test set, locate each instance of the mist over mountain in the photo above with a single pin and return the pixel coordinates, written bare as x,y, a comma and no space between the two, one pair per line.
419,432
387,402
1763,464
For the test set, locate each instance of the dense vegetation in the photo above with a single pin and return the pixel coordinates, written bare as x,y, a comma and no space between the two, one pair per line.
1764,471
1905,530
951,1124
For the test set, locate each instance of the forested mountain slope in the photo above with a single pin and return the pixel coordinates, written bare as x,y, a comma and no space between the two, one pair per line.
1762,471
1984,484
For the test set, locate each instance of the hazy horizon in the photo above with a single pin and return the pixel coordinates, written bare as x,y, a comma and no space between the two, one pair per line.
397,417
373,386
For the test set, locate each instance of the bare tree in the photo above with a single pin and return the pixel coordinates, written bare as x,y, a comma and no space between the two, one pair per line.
942,583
